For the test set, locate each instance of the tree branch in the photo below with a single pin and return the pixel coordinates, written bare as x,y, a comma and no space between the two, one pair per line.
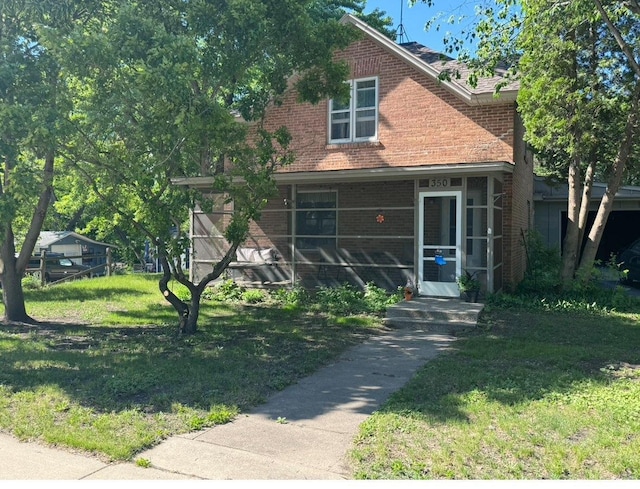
618,37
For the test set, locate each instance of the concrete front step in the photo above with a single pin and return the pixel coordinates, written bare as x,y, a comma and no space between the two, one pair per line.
425,325
434,314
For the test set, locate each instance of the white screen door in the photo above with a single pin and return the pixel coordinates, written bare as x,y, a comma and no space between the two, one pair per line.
440,236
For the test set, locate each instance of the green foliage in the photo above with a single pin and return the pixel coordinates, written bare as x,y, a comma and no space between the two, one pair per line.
292,298
591,297
467,282
543,265
254,296
143,462
347,299
343,300
225,290
31,281
377,299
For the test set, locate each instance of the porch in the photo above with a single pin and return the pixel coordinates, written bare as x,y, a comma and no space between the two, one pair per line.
426,231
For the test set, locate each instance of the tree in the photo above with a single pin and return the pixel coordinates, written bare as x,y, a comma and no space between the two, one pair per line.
33,105
579,88
159,88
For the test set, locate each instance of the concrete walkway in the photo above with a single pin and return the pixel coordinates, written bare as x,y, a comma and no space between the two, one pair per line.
303,432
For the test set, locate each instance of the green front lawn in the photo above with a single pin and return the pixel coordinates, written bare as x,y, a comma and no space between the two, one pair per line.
106,371
533,395
541,390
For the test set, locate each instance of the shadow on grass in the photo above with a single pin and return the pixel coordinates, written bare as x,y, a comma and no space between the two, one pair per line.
518,357
233,360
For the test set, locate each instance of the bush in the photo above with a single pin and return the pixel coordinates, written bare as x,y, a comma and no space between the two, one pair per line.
543,266
343,300
291,298
31,281
347,299
227,290
377,299
254,296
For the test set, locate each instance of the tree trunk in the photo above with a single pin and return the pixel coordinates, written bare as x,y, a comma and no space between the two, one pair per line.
12,293
189,313
191,325
180,306
584,205
12,268
613,185
571,244
11,278
39,215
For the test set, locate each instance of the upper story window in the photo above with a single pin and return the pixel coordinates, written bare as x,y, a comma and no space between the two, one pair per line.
357,119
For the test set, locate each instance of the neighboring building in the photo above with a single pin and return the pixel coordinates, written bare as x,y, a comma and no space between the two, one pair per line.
415,179
80,249
622,228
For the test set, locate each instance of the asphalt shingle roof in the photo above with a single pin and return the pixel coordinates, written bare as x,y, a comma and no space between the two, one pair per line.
459,72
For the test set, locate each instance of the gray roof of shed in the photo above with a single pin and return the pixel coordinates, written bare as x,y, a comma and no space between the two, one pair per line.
47,238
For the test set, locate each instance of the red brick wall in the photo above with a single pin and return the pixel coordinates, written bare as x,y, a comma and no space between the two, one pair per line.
420,122
518,208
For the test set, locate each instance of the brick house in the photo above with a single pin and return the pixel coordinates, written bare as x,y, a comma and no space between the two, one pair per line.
415,179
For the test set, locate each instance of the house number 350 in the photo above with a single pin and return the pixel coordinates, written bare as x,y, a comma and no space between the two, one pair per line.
438,182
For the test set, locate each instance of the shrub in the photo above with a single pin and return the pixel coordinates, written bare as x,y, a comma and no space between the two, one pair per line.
227,290
254,296
377,299
291,297
543,266
31,281
344,299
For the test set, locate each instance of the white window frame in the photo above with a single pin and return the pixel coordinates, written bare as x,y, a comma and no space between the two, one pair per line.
352,110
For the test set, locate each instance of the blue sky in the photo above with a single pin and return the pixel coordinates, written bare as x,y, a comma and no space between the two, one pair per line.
414,18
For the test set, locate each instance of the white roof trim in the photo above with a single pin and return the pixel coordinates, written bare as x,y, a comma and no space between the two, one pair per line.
506,96
372,174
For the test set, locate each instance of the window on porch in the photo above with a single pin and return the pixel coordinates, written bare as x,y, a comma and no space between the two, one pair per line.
316,216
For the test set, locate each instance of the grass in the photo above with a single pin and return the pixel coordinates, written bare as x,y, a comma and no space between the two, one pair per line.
545,388
536,393
105,371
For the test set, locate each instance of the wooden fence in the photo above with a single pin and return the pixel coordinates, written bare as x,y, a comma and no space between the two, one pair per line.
41,270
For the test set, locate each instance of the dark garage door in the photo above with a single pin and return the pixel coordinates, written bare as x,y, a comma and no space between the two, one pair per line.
623,227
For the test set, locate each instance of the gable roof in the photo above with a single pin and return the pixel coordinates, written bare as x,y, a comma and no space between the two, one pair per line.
47,238
433,64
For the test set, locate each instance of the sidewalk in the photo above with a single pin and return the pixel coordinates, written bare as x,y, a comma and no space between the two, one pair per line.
302,432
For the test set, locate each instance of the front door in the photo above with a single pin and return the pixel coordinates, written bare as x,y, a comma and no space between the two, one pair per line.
440,238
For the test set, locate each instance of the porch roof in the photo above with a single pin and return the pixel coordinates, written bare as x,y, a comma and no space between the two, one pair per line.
367,175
